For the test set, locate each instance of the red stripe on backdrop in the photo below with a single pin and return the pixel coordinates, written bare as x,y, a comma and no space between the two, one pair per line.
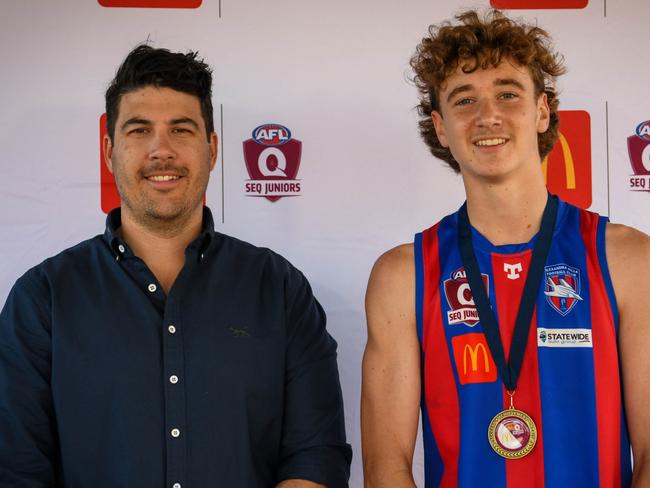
529,470
440,387
606,372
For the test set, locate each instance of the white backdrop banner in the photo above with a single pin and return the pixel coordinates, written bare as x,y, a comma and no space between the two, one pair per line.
318,92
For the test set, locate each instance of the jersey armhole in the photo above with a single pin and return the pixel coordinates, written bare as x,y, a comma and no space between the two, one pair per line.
604,268
419,284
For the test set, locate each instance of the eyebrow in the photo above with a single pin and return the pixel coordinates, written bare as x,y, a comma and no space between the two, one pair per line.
135,121
497,82
185,120
141,121
508,81
457,90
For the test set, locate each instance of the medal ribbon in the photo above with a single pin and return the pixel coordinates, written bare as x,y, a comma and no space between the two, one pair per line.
509,371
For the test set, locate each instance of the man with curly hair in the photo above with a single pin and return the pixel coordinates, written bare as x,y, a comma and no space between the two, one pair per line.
516,324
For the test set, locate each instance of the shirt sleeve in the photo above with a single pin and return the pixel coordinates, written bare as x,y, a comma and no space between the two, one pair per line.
27,427
313,441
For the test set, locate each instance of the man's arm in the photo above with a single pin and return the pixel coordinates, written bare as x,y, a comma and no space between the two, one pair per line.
28,443
390,392
313,445
628,258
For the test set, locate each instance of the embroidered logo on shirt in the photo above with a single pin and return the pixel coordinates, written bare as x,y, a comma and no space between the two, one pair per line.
239,332
460,299
564,337
562,287
513,270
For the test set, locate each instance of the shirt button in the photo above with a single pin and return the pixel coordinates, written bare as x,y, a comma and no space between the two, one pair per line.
176,432
152,287
173,379
171,329
120,248
176,485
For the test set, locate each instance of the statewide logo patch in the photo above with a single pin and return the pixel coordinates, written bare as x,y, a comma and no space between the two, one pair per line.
564,337
567,169
474,362
272,160
638,148
460,299
562,287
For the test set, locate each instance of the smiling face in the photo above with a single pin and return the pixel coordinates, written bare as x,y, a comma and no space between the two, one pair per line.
160,156
489,119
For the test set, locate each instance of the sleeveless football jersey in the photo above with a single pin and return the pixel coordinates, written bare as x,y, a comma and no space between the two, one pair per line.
570,380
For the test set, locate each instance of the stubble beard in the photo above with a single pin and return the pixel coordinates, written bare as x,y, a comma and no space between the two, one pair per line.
167,219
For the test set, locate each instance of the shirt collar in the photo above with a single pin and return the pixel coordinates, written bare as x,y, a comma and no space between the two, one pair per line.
200,245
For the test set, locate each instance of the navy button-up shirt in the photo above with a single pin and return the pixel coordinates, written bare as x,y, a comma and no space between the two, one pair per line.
229,381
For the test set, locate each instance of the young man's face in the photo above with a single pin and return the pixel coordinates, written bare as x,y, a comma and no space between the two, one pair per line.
159,155
490,119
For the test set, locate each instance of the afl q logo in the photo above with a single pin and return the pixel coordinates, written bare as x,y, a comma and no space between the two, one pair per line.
638,148
272,159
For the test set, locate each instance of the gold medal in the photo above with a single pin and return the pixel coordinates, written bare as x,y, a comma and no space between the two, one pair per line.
512,433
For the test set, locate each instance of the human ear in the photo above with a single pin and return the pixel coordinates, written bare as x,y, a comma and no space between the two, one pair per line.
439,126
543,113
107,148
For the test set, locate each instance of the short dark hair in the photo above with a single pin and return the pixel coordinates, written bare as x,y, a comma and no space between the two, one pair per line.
148,66
475,42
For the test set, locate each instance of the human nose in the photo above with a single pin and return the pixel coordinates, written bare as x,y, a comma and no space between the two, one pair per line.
488,114
161,147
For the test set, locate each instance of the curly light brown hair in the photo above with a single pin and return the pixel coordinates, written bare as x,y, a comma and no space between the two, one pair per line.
475,43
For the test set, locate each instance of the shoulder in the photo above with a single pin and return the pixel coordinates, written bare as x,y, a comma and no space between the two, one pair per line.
242,253
391,287
394,268
258,266
80,256
30,299
628,259
622,239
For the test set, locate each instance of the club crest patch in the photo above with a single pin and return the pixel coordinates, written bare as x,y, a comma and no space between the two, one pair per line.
462,309
562,287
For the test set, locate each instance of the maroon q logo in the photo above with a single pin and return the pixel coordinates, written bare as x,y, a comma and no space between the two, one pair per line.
638,148
272,160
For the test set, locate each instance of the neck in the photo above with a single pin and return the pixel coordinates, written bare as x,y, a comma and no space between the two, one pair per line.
161,247
507,213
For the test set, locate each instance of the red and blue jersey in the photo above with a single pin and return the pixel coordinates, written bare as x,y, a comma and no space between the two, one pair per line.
570,380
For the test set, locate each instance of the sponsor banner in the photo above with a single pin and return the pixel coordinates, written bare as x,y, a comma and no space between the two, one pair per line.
460,299
474,362
272,159
564,337
538,4
567,169
109,198
562,287
638,148
151,3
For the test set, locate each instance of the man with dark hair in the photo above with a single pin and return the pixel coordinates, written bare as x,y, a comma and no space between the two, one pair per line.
519,324
163,353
